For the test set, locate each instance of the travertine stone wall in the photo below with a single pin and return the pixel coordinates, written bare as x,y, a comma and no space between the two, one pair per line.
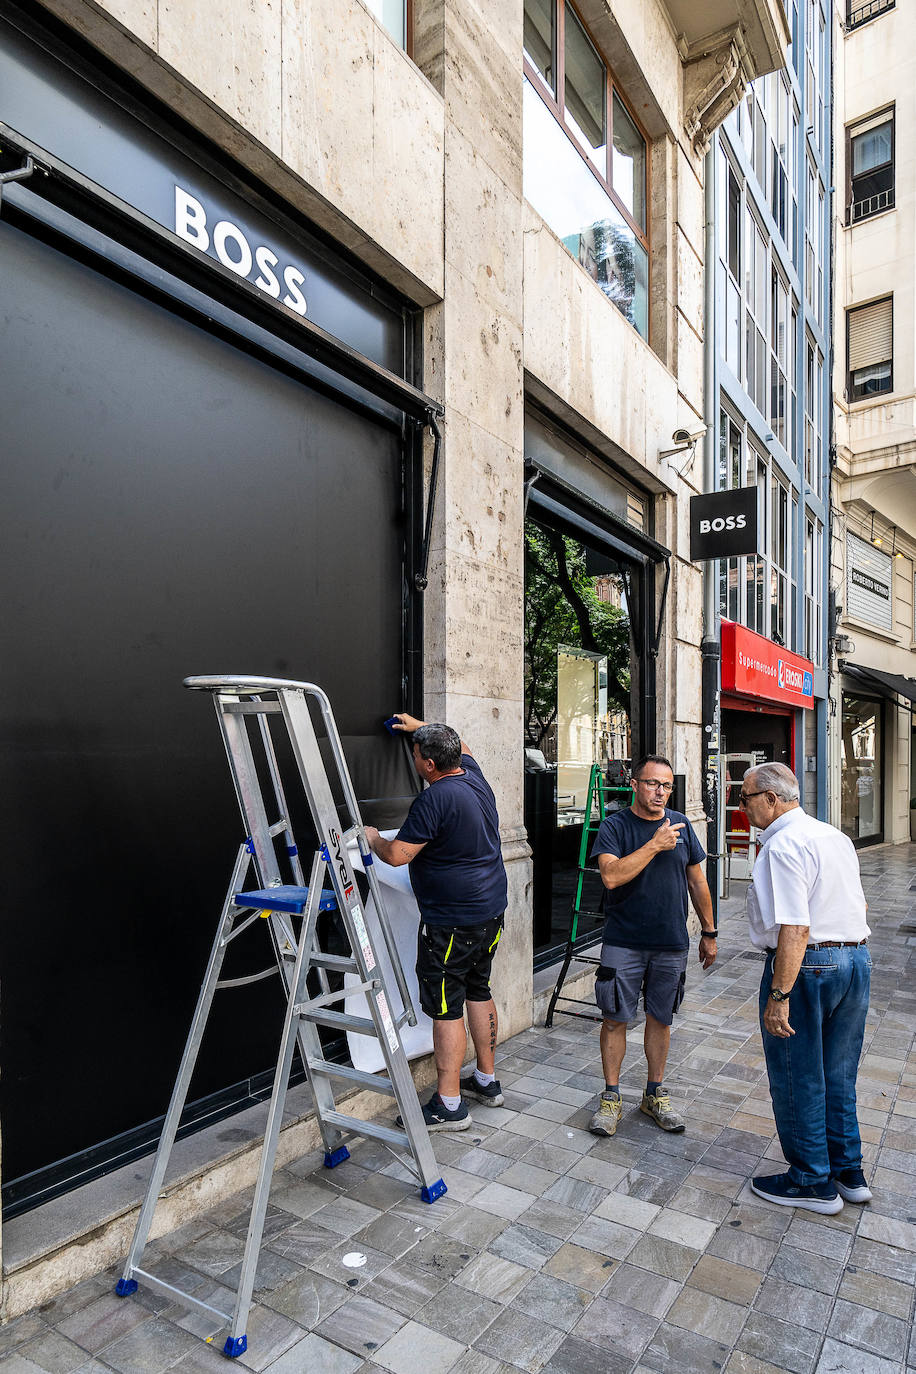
474,606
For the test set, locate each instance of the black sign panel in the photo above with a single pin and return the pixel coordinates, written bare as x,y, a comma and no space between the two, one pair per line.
723,524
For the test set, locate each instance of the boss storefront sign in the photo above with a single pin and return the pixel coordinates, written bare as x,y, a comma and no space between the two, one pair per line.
869,580
753,666
723,524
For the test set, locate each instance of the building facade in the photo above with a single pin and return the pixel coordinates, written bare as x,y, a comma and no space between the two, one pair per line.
770,380
874,388
349,349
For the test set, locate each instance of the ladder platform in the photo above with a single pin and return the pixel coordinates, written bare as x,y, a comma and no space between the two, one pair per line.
285,897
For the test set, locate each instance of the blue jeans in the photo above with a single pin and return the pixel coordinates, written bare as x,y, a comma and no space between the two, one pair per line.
813,1072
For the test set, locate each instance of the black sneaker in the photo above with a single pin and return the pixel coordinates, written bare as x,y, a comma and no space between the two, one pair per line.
491,1094
852,1186
813,1197
438,1117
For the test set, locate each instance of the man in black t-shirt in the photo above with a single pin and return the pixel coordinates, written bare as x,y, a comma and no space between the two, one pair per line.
451,841
648,858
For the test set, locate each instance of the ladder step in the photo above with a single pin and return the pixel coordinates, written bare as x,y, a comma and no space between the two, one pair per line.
345,1071
339,1020
328,999
186,1299
336,963
373,1129
283,897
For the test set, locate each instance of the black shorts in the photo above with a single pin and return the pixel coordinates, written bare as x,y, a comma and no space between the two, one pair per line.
453,966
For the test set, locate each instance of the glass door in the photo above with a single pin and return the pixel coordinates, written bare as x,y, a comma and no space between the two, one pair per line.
862,811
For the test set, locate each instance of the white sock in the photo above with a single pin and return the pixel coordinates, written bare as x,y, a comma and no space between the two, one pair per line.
484,1078
450,1103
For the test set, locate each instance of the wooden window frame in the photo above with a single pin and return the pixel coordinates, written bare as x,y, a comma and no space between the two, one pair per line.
556,106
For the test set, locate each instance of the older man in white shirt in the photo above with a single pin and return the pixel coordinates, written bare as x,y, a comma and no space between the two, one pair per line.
806,908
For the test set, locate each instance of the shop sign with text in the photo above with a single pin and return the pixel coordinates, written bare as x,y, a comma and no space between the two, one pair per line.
753,666
723,524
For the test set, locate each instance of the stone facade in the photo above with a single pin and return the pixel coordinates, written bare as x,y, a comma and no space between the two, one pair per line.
874,483
414,164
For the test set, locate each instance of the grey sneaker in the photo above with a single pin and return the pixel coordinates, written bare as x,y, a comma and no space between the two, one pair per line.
658,1106
610,1110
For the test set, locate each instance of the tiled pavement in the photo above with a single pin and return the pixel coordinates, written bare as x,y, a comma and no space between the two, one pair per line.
555,1250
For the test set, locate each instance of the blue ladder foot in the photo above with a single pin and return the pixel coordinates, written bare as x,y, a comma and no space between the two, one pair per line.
334,1157
433,1191
124,1287
235,1346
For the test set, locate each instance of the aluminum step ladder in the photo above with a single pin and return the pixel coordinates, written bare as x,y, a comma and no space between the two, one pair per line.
596,799
244,707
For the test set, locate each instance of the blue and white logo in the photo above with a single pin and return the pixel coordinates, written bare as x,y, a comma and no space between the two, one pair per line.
781,675
808,687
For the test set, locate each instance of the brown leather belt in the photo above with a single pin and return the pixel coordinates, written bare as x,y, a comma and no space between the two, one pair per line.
839,944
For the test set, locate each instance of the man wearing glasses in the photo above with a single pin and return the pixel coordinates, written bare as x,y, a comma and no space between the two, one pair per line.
649,859
806,909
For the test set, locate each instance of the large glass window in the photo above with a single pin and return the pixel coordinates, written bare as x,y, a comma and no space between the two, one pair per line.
861,808
392,15
580,679
585,159
870,349
814,432
813,546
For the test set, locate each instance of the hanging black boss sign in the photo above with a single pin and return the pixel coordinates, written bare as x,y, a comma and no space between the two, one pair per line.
723,524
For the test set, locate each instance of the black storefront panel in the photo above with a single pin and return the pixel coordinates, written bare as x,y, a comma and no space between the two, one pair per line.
171,506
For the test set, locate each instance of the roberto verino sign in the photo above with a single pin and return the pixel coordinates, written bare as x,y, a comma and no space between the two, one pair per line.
723,524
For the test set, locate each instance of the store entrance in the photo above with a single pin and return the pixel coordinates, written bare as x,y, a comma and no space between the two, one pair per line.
581,676
749,737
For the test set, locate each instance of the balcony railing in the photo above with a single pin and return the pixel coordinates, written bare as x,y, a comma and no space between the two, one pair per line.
860,14
872,205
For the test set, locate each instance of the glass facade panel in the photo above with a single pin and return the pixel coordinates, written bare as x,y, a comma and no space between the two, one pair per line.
392,15
629,164
540,40
585,95
862,759
581,213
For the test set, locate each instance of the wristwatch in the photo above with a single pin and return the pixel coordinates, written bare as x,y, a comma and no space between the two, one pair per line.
710,934
777,995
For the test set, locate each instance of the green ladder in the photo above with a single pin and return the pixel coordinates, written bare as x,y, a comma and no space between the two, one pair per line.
597,795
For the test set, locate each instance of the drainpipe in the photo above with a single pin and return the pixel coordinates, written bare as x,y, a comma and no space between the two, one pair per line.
710,643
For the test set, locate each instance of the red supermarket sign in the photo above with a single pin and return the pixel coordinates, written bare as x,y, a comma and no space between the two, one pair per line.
756,667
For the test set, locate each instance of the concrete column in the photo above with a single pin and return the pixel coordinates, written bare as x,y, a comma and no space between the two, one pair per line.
473,362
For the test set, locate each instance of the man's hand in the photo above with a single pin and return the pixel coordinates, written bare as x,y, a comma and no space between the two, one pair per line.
708,950
372,837
666,836
776,1019
406,724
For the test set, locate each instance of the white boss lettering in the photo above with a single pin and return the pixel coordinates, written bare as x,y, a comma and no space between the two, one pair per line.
191,220
231,246
727,522
267,281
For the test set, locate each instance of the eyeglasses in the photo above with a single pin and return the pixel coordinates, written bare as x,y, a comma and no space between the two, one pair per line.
651,782
744,797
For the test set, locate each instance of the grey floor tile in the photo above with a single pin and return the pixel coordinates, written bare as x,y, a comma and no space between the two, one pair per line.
553,1301
521,1340
675,1351
54,1353
361,1326
785,1344
809,1271
351,1265
525,1245
393,1234
312,1353
876,1332
272,1272
576,1194
154,1346
606,1237
575,1356
837,1358
459,1314
494,1278
664,1257
720,1277
638,1288
610,1324
889,1260
441,1255
707,1315
405,1287
551,1217
417,1349
214,1253
805,1305
102,1321
877,1292
584,1268
32,1324
308,1299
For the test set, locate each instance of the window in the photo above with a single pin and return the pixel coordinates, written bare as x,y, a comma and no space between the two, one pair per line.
730,222
870,349
780,361
870,167
392,15
756,293
813,543
815,69
585,157
814,436
814,240
858,12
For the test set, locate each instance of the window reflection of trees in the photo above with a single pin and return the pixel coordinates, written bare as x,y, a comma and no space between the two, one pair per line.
565,604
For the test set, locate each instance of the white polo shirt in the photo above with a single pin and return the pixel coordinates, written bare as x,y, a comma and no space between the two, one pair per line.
806,874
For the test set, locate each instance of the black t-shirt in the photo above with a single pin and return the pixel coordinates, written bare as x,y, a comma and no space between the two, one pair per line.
651,911
458,878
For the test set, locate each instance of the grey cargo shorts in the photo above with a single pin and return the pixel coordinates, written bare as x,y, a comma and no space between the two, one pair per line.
659,974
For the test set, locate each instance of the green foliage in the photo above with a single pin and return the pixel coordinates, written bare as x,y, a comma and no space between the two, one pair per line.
561,607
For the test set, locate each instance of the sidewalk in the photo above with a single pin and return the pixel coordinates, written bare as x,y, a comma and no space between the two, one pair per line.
556,1250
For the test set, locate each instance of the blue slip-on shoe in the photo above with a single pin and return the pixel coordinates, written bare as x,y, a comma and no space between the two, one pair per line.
438,1117
811,1197
490,1094
852,1186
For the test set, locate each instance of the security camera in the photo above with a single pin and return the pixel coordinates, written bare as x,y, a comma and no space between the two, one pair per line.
686,436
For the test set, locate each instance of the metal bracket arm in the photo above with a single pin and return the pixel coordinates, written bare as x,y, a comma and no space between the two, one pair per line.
17,174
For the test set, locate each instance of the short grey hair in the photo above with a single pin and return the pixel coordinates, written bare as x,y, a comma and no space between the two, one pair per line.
776,778
440,743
